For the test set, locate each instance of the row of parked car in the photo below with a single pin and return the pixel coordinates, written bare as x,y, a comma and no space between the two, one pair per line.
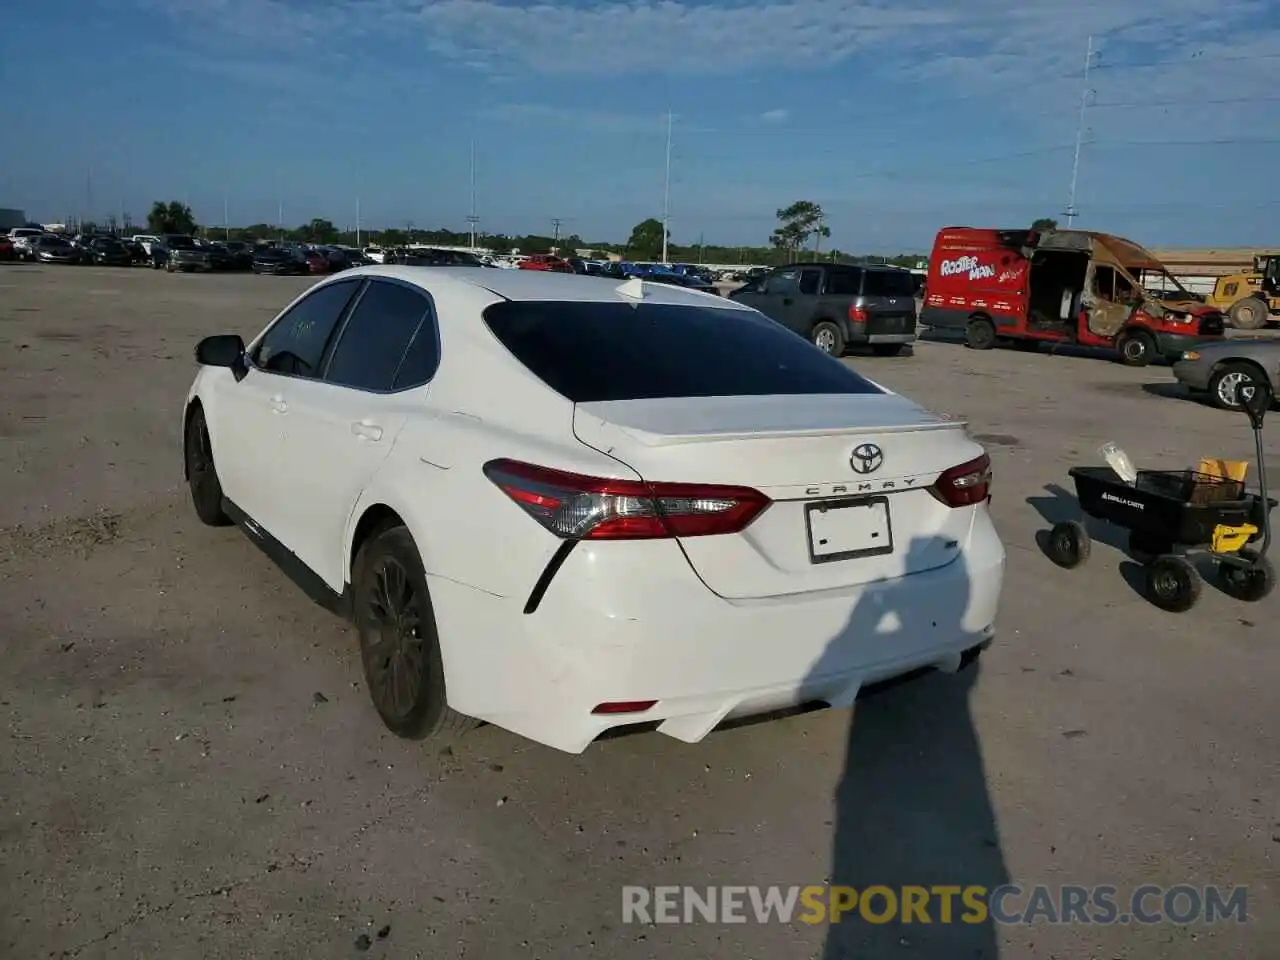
177,253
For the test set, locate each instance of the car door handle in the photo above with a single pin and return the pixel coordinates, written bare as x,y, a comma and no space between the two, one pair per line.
366,430
278,404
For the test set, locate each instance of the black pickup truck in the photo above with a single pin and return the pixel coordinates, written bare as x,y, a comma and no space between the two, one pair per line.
837,306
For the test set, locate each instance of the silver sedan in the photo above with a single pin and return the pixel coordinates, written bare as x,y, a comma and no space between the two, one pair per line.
1222,368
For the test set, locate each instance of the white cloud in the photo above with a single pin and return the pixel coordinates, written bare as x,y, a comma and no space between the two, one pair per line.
996,60
775,116
683,36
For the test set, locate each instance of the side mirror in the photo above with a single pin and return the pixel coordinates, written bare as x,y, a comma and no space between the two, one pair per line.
224,350
1256,397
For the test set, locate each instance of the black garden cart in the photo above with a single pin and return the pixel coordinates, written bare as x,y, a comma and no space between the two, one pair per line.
1172,513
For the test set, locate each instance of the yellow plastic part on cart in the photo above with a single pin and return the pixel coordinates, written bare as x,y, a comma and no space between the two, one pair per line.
1230,539
1227,469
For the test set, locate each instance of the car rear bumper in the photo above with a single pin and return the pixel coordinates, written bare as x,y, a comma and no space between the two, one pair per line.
883,330
626,622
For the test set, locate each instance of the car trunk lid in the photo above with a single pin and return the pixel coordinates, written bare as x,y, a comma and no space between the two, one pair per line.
830,526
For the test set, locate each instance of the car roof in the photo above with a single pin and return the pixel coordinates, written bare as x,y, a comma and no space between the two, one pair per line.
536,285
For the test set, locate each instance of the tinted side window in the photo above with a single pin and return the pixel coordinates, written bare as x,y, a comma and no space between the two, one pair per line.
844,283
783,281
375,338
421,359
810,281
295,344
615,351
889,283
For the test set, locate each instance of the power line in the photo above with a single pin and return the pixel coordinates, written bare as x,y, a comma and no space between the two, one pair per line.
1223,142
1185,61
1183,103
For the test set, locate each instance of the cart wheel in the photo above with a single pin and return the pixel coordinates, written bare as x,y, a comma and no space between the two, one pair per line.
1173,583
1249,585
1068,544
1145,548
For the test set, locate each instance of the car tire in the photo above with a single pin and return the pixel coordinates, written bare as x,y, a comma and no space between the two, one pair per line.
391,609
980,334
202,474
887,349
826,336
1137,348
1229,378
1249,313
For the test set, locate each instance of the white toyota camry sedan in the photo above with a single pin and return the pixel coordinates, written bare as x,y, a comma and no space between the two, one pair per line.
563,504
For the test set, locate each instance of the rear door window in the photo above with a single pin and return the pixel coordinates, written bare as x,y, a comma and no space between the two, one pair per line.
844,283
810,281
615,351
889,283
374,343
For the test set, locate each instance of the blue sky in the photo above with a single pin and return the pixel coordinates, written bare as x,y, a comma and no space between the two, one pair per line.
897,117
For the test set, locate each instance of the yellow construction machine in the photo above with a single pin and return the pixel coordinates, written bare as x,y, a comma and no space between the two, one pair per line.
1250,299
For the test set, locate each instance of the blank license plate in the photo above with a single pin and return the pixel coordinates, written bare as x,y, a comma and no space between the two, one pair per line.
845,529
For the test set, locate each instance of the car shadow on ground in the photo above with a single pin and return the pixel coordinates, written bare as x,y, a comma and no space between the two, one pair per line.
937,335
912,809
1173,391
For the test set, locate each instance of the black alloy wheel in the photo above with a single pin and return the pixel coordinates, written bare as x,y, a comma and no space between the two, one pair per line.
399,646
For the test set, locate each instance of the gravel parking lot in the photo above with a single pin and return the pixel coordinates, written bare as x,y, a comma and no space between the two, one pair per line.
192,769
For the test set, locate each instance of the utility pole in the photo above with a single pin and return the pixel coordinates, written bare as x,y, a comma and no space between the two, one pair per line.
226,219
88,196
555,227
472,219
666,192
1071,212
357,223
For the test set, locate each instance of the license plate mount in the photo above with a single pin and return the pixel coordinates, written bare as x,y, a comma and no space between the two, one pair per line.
848,528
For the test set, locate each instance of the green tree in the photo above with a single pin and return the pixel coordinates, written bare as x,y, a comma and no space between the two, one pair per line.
318,231
796,224
646,240
171,217
1044,223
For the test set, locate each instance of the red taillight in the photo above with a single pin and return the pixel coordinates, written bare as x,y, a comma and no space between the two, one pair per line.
857,315
965,485
594,508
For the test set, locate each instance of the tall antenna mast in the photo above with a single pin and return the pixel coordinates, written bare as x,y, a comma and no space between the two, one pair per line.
666,193
1085,94
472,219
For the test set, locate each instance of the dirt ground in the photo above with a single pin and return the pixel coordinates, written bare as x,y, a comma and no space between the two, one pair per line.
190,767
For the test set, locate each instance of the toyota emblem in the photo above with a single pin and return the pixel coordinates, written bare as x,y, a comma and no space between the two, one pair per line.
867,458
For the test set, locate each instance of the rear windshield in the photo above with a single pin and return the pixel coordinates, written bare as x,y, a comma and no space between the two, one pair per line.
889,283
590,352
